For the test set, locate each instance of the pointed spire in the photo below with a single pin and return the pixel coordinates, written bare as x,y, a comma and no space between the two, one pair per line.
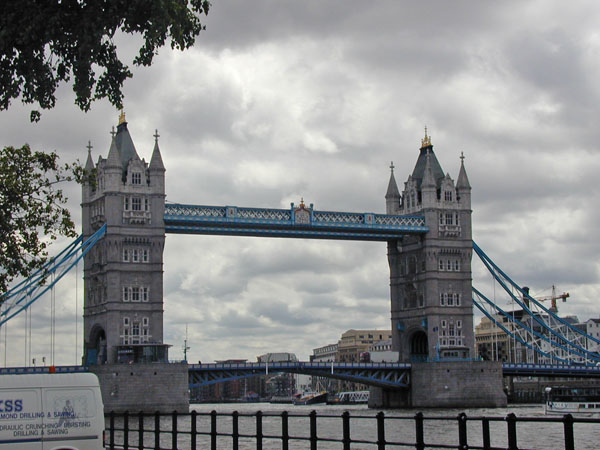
463,180
156,162
89,164
125,143
392,190
114,156
428,178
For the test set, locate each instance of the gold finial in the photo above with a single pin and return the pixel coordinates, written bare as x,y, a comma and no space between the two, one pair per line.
426,141
302,202
122,117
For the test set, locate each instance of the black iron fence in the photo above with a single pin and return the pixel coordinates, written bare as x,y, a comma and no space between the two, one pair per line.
212,430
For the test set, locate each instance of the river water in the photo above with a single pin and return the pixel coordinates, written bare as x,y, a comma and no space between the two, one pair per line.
530,435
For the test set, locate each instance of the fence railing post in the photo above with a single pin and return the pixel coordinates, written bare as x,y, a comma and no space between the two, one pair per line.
111,438
235,432
174,430
141,430
259,435
462,431
511,421
157,429
569,436
419,435
346,430
485,431
213,430
194,430
380,430
126,430
285,436
313,430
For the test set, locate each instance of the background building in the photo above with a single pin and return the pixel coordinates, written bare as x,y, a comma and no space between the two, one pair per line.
355,342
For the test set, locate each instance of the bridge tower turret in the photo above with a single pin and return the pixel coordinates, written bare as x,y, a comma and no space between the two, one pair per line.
430,275
123,273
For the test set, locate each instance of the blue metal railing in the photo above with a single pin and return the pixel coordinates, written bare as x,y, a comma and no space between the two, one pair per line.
298,222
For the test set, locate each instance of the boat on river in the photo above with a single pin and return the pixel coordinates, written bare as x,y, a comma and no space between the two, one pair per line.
310,398
576,400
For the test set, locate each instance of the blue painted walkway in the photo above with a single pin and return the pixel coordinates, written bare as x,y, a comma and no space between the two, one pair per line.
297,222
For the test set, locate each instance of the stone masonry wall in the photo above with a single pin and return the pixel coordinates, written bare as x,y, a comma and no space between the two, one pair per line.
461,384
144,387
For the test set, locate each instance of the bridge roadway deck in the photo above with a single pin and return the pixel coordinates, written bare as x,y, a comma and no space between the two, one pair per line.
387,375
294,222
550,370
391,375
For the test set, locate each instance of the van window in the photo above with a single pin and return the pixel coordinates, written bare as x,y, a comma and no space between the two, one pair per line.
70,404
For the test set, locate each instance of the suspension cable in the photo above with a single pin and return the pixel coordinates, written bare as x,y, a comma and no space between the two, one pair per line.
495,270
53,320
76,310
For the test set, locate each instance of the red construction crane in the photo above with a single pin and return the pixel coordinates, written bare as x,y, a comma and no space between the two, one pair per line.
553,298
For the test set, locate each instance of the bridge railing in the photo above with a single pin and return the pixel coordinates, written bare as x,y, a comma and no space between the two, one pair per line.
204,430
273,366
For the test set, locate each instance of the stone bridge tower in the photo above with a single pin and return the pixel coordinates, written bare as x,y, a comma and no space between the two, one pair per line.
123,288
431,303
430,275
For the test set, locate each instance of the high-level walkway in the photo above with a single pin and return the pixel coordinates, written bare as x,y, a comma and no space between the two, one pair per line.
297,222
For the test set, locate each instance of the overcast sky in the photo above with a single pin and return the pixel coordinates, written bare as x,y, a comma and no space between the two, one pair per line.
283,100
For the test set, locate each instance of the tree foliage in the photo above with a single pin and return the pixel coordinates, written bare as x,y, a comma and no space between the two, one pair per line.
31,205
46,42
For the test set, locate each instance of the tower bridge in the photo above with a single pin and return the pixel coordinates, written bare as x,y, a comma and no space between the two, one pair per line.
427,227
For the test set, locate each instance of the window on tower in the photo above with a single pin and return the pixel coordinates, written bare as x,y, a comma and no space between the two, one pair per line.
136,204
136,178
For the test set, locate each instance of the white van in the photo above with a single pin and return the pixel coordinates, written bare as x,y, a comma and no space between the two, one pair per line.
51,411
